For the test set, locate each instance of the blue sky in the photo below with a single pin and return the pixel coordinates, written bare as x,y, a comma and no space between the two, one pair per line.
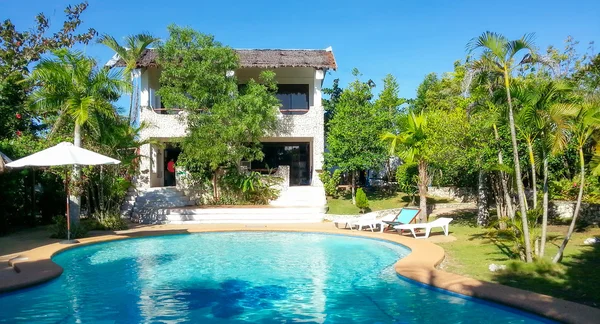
408,39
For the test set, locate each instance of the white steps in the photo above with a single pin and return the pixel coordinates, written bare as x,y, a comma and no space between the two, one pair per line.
243,215
170,206
146,205
302,196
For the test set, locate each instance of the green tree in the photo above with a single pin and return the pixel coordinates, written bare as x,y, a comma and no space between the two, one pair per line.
361,200
224,125
353,131
330,103
388,107
499,55
130,53
72,86
583,128
18,50
410,146
544,115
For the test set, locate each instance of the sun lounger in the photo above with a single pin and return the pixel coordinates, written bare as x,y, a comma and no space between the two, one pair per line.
443,222
368,220
405,216
352,221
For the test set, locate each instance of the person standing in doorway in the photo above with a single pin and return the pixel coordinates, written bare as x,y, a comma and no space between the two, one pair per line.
171,169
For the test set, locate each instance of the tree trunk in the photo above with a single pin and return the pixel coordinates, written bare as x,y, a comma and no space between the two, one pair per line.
130,119
544,207
353,188
503,180
215,193
561,250
423,191
533,175
483,214
75,200
520,190
135,74
499,199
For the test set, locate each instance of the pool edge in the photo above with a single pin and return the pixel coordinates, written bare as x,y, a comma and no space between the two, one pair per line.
419,265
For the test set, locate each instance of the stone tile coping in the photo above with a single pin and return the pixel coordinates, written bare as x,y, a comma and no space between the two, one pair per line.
420,265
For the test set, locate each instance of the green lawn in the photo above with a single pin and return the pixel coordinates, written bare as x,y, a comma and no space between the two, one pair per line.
377,201
575,279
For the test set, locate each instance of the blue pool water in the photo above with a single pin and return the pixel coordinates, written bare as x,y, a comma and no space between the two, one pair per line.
245,277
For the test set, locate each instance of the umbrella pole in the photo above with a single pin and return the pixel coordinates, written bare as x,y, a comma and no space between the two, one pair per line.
68,208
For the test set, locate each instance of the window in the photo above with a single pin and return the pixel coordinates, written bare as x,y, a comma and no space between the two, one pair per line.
293,96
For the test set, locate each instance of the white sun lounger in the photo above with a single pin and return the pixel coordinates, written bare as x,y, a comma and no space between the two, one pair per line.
443,222
368,220
355,221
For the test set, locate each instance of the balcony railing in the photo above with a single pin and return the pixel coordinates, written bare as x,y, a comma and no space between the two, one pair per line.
167,111
293,111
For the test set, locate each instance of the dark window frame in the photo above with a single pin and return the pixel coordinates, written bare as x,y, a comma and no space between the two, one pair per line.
290,96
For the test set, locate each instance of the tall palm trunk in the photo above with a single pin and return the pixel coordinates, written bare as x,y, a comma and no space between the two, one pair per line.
503,181
133,100
559,255
75,200
483,214
533,175
544,206
131,103
353,188
423,179
520,190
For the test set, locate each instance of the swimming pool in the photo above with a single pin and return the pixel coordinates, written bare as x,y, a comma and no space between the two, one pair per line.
242,277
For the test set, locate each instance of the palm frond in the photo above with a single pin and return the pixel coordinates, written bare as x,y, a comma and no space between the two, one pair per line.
515,46
490,42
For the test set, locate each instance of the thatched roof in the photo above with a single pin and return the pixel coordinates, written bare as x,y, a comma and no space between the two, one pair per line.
257,58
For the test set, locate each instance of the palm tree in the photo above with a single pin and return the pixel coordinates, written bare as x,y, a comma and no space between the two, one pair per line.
546,117
135,45
410,147
583,127
72,86
499,55
489,81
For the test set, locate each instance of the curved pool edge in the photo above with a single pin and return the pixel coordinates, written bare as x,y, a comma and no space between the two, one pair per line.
419,265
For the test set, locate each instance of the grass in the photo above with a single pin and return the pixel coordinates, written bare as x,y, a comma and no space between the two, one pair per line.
574,279
377,201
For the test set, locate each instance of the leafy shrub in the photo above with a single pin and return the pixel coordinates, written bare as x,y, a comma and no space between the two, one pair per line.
361,200
59,229
515,231
114,223
110,222
331,182
407,175
565,189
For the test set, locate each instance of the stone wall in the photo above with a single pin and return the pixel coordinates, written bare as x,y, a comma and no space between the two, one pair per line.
283,172
454,193
563,210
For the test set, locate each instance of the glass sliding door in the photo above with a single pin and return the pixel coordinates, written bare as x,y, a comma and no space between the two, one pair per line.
295,155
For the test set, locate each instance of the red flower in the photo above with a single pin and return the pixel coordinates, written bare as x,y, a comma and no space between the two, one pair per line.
574,184
19,133
18,116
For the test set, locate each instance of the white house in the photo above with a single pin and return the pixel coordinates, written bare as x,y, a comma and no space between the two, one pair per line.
296,148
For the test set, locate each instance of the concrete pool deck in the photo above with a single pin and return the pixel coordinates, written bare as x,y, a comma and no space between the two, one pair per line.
35,266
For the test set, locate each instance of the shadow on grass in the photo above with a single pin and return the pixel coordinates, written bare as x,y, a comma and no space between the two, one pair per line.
461,217
575,279
500,239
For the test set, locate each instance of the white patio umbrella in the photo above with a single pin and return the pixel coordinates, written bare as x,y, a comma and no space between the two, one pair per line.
63,154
